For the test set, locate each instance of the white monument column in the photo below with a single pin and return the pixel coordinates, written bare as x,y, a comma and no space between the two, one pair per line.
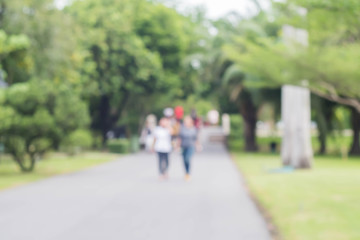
296,144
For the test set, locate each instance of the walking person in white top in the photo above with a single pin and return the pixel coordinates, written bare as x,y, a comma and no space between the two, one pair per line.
162,146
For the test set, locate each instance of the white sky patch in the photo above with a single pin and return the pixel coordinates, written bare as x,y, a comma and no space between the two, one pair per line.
215,8
61,3
219,8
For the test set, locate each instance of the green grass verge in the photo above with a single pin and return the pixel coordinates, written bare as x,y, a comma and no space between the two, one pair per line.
54,164
335,145
318,204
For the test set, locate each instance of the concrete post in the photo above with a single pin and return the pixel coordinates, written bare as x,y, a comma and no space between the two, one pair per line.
296,145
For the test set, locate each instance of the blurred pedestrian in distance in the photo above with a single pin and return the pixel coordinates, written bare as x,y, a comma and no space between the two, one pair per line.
147,138
162,146
196,119
176,123
213,117
179,113
188,141
168,112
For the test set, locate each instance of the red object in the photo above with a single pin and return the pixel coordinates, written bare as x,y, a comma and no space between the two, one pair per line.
179,112
197,123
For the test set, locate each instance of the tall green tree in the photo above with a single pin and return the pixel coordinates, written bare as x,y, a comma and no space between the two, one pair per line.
136,48
226,75
53,53
328,63
41,64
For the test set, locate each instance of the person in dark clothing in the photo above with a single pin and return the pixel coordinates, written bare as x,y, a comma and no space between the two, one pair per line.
188,141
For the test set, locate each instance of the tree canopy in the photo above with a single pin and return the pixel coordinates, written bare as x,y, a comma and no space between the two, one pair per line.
101,65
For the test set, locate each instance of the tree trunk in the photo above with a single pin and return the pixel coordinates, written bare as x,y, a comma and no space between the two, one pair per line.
248,111
355,120
250,135
323,131
104,116
324,112
21,162
323,144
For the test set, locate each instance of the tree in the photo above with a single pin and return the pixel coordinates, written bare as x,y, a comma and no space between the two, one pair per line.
10,45
136,48
324,114
237,84
328,63
36,116
51,34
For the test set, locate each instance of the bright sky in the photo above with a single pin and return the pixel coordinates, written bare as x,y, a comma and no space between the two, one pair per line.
215,8
218,8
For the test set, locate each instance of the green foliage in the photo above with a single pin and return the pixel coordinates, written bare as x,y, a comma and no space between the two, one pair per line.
201,106
77,141
36,116
342,118
135,48
161,28
236,124
52,45
236,145
337,144
119,145
265,144
236,137
328,63
9,44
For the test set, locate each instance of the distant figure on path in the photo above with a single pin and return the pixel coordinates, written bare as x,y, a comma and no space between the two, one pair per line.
162,146
147,138
179,113
196,119
188,141
213,117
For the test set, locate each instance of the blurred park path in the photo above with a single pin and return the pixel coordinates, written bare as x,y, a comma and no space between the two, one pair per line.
125,200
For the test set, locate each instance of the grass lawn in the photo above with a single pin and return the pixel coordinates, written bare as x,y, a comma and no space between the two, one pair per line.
318,204
54,164
335,145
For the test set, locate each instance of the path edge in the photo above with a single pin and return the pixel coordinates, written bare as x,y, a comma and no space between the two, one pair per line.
57,175
270,224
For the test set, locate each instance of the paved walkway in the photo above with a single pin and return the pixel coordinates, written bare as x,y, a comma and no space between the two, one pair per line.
124,200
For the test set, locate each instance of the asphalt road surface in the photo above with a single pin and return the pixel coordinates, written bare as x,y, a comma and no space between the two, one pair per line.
125,200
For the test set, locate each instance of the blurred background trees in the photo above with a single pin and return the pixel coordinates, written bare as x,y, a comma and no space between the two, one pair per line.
326,65
74,74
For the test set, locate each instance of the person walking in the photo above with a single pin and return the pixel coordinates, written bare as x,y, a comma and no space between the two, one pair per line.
162,146
188,141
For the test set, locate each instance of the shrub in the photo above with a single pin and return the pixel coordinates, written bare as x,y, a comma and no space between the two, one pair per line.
77,141
264,143
97,141
36,116
235,139
236,124
119,145
236,145
41,145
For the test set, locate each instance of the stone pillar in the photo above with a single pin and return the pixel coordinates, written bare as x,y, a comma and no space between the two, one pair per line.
226,124
296,145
